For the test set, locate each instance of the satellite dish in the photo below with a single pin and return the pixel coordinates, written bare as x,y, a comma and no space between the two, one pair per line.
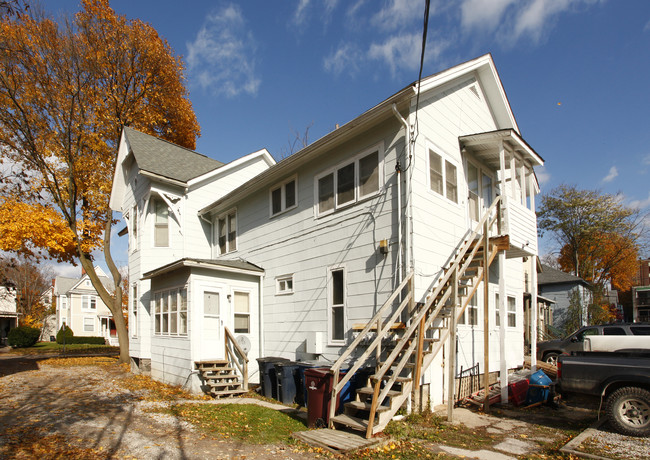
244,343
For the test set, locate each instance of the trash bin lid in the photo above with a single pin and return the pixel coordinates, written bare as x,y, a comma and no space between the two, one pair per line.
271,359
317,371
285,363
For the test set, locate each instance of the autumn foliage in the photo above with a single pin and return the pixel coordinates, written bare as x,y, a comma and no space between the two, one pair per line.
66,91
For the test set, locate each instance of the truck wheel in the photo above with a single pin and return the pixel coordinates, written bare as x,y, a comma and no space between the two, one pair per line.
551,358
628,409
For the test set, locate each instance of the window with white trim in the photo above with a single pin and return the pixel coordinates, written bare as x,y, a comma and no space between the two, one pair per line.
443,176
134,310
497,319
161,223
89,324
242,313
470,315
88,302
348,183
63,302
284,284
133,235
512,311
170,312
226,232
337,305
283,197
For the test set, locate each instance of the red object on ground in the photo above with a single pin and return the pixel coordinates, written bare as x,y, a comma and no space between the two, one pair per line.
318,382
517,392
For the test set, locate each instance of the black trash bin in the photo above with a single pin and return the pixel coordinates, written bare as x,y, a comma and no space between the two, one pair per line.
268,378
285,372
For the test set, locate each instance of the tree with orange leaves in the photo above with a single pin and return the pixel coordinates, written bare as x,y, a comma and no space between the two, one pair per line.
66,91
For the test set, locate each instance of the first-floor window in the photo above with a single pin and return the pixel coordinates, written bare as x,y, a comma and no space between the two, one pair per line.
337,308
512,312
470,315
170,312
89,324
134,310
242,313
284,284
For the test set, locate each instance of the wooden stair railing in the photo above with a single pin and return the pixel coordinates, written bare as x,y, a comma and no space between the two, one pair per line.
467,266
235,355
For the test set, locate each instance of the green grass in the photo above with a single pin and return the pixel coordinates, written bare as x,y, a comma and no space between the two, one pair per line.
244,422
403,450
53,347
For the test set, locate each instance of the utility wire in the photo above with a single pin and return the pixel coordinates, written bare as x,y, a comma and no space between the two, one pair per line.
424,44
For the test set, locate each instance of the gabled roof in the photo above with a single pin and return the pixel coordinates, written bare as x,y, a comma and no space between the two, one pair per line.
482,68
550,275
232,265
166,159
64,285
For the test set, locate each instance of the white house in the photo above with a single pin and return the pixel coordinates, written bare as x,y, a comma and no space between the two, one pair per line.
415,219
80,308
8,312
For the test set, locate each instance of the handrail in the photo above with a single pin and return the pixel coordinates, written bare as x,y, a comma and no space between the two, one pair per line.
235,355
416,321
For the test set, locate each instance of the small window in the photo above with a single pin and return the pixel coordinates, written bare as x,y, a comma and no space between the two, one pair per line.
640,330
88,302
173,313
497,318
512,312
161,224
283,197
133,239
349,183
182,312
242,313
337,309
470,315
443,177
613,331
157,313
89,324
211,304
134,310
284,284
227,232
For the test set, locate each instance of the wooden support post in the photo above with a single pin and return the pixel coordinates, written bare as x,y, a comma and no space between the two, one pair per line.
418,366
451,363
486,317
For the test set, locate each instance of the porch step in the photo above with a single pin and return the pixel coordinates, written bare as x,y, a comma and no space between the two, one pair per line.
369,391
358,405
224,393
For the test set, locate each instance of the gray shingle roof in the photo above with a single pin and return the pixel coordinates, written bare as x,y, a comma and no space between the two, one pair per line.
550,275
166,159
215,264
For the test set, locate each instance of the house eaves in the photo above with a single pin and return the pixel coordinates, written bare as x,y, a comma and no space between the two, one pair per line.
238,266
483,66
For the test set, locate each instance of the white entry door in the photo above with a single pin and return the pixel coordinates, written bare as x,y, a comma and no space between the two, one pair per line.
216,315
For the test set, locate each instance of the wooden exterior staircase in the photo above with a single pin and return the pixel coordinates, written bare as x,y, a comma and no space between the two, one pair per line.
398,367
226,377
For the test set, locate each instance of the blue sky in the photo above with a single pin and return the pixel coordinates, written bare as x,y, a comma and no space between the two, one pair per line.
575,72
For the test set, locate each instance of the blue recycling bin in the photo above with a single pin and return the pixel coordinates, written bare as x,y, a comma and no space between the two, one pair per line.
286,377
268,377
539,388
301,391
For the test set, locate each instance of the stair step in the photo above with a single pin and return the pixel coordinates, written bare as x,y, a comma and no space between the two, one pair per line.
217,369
228,392
388,377
406,366
358,405
369,391
223,384
355,423
216,362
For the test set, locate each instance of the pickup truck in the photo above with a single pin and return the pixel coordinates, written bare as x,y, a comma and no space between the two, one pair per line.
620,379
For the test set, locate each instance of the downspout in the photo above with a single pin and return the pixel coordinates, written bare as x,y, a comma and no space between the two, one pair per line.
398,168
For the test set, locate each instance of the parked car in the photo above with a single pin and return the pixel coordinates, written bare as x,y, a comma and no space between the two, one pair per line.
621,380
549,350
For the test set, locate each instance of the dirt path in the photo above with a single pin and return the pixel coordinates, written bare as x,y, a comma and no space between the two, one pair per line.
86,408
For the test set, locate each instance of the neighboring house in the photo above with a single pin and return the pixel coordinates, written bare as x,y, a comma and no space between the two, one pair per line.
641,304
370,224
543,314
8,312
559,287
79,307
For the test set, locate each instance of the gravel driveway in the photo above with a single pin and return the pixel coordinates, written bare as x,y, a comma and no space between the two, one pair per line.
87,408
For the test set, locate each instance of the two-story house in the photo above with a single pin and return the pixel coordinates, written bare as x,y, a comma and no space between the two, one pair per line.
79,307
8,312
396,241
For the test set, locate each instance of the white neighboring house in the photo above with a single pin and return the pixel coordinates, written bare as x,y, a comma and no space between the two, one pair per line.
8,312
302,260
82,310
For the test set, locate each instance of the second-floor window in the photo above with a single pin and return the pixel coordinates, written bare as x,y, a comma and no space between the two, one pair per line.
88,302
283,197
161,224
227,232
443,177
134,229
348,183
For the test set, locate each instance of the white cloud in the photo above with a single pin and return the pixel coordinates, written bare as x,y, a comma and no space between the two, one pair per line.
646,160
647,26
301,14
398,13
543,176
611,175
483,14
346,58
640,204
221,59
398,51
